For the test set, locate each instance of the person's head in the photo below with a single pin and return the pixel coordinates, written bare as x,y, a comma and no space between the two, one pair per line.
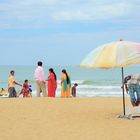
52,71
39,63
65,72
12,72
75,84
26,81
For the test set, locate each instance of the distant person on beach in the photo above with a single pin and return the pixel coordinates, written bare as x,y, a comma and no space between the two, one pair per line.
30,91
11,85
52,83
132,86
40,80
65,84
73,91
25,90
3,92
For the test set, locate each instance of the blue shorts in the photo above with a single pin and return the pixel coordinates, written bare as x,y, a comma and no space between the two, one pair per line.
132,90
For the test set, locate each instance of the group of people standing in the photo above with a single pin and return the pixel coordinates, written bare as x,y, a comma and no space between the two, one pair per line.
43,84
41,81
51,82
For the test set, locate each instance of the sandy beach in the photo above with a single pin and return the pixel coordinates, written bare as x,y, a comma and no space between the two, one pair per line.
65,119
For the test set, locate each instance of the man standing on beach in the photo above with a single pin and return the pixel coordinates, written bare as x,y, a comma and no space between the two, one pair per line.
40,80
132,86
11,85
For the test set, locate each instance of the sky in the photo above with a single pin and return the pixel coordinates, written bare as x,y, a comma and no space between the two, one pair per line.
63,32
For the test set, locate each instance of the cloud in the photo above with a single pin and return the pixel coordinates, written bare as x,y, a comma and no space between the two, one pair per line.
91,12
39,13
94,10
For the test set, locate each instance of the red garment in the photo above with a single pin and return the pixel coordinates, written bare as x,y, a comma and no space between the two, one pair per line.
52,85
25,90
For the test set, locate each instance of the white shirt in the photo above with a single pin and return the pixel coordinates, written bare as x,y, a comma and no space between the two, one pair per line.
39,74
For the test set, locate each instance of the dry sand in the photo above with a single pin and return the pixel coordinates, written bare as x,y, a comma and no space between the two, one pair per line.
65,119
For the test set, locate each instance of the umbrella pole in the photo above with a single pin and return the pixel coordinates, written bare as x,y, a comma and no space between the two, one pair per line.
123,92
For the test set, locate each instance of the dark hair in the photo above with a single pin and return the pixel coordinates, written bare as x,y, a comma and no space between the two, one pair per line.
26,81
51,70
68,80
76,84
12,71
39,63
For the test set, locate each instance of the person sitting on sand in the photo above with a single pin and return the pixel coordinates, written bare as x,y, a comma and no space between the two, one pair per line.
3,92
11,85
74,90
25,90
132,86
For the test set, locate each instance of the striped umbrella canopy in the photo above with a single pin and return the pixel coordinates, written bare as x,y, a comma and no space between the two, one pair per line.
113,55
117,54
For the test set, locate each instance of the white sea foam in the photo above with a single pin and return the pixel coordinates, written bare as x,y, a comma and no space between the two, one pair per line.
86,89
91,82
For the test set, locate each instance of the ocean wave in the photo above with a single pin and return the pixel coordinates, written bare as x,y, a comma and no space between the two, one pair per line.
91,82
87,88
92,92
73,81
87,82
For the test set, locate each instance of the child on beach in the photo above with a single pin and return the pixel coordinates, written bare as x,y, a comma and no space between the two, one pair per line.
74,90
26,89
30,91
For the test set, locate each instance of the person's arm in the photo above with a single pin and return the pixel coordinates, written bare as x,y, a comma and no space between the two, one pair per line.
125,82
70,81
62,81
17,83
126,88
50,77
43,77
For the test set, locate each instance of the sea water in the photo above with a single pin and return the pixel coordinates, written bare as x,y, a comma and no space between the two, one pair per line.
91,82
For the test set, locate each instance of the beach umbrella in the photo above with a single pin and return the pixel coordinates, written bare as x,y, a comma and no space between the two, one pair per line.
117,54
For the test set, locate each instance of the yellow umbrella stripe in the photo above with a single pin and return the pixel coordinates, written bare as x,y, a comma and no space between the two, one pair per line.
107,57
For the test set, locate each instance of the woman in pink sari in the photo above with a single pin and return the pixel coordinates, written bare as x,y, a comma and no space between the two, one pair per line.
52,83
